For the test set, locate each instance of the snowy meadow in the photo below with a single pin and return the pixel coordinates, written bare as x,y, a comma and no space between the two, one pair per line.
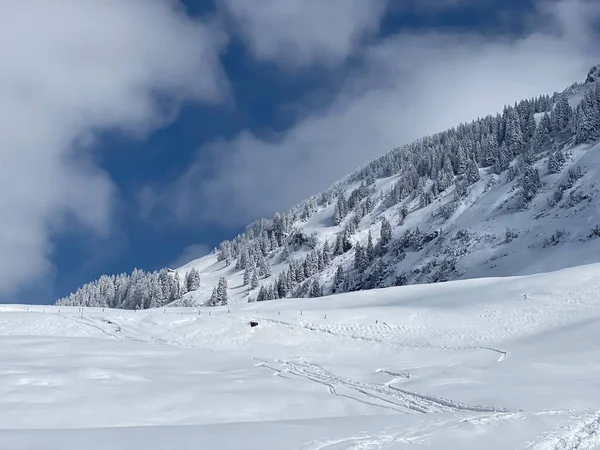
497,362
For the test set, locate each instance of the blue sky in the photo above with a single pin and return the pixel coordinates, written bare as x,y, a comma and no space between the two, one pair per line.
144,136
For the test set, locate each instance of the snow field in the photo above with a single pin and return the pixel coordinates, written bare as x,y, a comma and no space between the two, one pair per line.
501,363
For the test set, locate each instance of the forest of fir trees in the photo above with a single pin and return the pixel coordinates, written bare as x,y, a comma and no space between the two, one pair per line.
140,290
506,144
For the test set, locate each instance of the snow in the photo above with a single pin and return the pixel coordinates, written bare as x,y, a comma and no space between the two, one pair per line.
487,211
493,363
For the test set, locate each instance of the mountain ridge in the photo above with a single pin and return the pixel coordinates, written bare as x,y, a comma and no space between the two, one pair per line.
496,197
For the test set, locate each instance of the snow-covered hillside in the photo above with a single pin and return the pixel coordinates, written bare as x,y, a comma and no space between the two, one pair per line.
482,233
495,363
506,195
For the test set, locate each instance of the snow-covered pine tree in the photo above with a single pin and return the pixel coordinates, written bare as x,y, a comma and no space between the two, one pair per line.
222,291
461,161
514,134
358,256
274,243
261,294
472,172
530,185
282,285
386,234
340,210
320,263
214,298
346,243
192,280
339,246
315,289
326,254
556,161
338,280
370,251
248,271
586,126
541,138
403,214
254,280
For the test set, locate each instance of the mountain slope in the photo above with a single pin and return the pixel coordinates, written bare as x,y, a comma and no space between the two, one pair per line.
509,194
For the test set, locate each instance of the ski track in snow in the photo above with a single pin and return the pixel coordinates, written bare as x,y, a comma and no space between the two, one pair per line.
384,396
543,332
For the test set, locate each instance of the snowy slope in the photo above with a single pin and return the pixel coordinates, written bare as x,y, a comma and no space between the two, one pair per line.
486,214
473,241
453,204
494,363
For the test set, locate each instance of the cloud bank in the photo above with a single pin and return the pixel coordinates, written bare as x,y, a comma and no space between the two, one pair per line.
410,85
299,33
72,68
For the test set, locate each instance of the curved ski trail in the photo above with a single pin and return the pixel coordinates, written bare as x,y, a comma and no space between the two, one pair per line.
384,396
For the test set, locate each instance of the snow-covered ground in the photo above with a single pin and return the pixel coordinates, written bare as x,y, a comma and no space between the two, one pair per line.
504,363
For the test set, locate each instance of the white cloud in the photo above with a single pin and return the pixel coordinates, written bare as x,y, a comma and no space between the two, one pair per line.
411,85
69,69
298,33
190,253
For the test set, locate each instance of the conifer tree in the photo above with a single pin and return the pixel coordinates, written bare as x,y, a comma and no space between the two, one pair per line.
326,254
248,271
192,280
214,298
472,172
315,289
530,185
386,234
222,291
358,256
370,252
338,280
